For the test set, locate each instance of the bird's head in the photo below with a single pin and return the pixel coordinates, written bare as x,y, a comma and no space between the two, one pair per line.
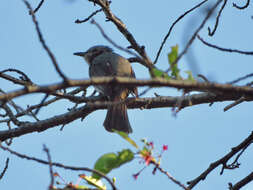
92,52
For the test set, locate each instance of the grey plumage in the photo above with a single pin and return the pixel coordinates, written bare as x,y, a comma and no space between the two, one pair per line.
104,62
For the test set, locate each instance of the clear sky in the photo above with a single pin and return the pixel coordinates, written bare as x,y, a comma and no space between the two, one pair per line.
196,137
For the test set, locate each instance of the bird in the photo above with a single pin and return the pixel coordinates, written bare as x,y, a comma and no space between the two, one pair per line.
103,62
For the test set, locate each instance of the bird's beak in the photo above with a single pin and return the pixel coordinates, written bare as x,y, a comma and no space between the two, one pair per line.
80,54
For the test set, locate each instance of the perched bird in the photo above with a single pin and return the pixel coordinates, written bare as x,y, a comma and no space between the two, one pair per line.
103,62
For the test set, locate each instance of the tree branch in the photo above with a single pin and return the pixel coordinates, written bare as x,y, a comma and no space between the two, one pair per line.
42,41
211,33
130,82
172,26
82,112
242,182
197,31
5,168
59,165
224,49
241,7
105,5
223,161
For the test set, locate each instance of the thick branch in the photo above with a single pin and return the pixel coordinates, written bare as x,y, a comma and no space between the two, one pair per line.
242,182
130,82
147,103
105,5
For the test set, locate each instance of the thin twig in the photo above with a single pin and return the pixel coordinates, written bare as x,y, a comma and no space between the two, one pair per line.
14,80
172,26
38,7
111,41
242,98
50,166
241,78
50,54
11,115
41,103
241,7
77,21
59,165
8,142
196,32
211,33
239,101
5,168
235,163
23,77
36,106
224,49
157,166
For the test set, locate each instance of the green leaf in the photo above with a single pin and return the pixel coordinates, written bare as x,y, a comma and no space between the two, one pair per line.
159,73
190,76
127,138
110,161
94,182
125,156
172,56
105,164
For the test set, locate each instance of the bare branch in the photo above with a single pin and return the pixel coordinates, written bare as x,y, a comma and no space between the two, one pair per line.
41,103
59,165
111,41
14,80
196,32
241,78
243,7
77,21
172,26
50,54
211,33
239,101
242,182
38,7
130,82
157,166
46,103
23,77
50,166
105,5
11,115
5,168
224,49
223,161
82,112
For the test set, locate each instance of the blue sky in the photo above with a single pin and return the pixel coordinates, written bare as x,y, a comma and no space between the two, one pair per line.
198,135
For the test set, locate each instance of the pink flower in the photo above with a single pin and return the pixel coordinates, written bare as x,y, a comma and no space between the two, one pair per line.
148,158
165,147
135,176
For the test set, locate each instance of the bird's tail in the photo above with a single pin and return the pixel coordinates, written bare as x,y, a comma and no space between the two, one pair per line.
117,118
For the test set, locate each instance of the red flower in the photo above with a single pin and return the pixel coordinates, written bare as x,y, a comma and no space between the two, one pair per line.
165,147
148,158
